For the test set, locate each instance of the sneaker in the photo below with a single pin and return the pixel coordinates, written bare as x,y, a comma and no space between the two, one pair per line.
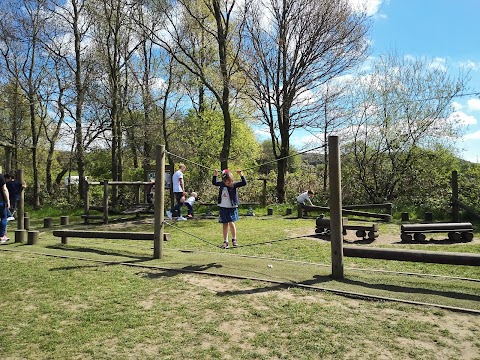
189,216
4,239
169,215
181,218
234,242
10,218
224,245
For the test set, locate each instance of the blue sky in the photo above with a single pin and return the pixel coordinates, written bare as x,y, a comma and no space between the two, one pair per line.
446,31
443,31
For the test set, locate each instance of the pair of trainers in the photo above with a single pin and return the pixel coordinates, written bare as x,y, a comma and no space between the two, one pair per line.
4,239
225,244
181,218
10,218
169,215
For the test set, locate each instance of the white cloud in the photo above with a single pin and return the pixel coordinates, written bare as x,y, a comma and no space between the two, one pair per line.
469,64
369,7
461,118
474,104
457,106
473,136
438,63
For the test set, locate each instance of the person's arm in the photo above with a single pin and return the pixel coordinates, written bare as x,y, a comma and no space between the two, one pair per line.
244,180
214,178
6,196
182,185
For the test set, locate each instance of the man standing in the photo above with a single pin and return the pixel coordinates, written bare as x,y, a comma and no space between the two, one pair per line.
179,192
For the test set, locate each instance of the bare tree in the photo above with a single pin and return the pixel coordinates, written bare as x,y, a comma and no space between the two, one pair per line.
24,59
293,48
402,106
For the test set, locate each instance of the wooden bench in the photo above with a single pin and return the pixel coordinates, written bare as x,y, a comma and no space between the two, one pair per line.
455,231
361,231
112,235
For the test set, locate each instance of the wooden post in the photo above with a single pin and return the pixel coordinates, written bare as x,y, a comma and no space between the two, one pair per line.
86,204
269,211
263,200
47,222
105,201
32,238
26,223
64,220
336,230
289,211
159,202
405,216
455,207
20,235
21,203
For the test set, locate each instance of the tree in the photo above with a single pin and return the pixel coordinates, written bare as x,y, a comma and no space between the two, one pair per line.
401,107
293,47
216,21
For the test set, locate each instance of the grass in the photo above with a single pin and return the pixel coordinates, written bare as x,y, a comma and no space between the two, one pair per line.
57,308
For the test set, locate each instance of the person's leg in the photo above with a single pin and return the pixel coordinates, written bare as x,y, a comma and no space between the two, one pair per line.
225,232
178,204
233,230
3,221
189,209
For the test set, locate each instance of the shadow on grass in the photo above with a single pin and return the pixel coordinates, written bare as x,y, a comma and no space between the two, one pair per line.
98,251
183,270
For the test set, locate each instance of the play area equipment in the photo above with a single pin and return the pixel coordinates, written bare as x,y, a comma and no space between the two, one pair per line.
456,231
303,210
136,209
112,235
361,231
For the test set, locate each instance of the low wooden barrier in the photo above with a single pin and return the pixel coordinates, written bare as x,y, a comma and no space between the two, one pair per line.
456,231
413,255
361,231
112,235
303,210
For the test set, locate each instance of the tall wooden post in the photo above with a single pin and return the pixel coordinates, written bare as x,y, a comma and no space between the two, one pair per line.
105,201
21,203
336,227
159,201
455,207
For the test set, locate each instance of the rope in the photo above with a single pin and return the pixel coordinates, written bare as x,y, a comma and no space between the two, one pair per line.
286,157
254,244
253,167
192,235
190,161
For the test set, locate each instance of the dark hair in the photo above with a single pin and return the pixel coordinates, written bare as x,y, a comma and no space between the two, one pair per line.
8,176
310,192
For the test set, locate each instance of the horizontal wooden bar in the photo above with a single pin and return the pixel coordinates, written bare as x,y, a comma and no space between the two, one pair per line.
119,235
440,227
413,255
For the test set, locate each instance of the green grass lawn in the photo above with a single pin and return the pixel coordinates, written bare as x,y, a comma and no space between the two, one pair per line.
108,299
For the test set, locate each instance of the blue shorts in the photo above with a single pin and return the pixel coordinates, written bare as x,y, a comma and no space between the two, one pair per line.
227,215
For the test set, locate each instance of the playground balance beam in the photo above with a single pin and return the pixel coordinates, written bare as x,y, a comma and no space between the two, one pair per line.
112,235
307,208
413,255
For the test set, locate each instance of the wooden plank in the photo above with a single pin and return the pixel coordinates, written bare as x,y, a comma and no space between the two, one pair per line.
432,227
114,235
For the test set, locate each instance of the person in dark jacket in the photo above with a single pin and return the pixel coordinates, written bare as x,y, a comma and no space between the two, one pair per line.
228,203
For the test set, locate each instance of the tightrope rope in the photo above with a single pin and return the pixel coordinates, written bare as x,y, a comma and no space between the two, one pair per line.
250,168
254,244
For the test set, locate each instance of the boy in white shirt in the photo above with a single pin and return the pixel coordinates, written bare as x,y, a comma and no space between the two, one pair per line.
304,198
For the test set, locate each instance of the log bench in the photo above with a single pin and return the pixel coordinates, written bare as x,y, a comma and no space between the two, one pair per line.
361,231
456,231
112,235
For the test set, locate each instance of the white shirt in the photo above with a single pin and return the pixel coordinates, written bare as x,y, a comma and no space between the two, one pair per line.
176,181
190,200
304,198
226,202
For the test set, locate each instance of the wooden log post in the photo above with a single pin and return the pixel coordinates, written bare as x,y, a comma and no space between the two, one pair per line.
20,235
64,220
159,202
105,201
47,222
405,216
86,203
428,216
26,223
289,211
455,207
33,237
336,229
21,203
269,211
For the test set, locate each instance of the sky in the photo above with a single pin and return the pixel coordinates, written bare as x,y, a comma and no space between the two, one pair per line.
443,31
446,31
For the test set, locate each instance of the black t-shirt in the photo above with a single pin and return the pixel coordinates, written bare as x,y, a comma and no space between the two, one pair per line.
2,182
